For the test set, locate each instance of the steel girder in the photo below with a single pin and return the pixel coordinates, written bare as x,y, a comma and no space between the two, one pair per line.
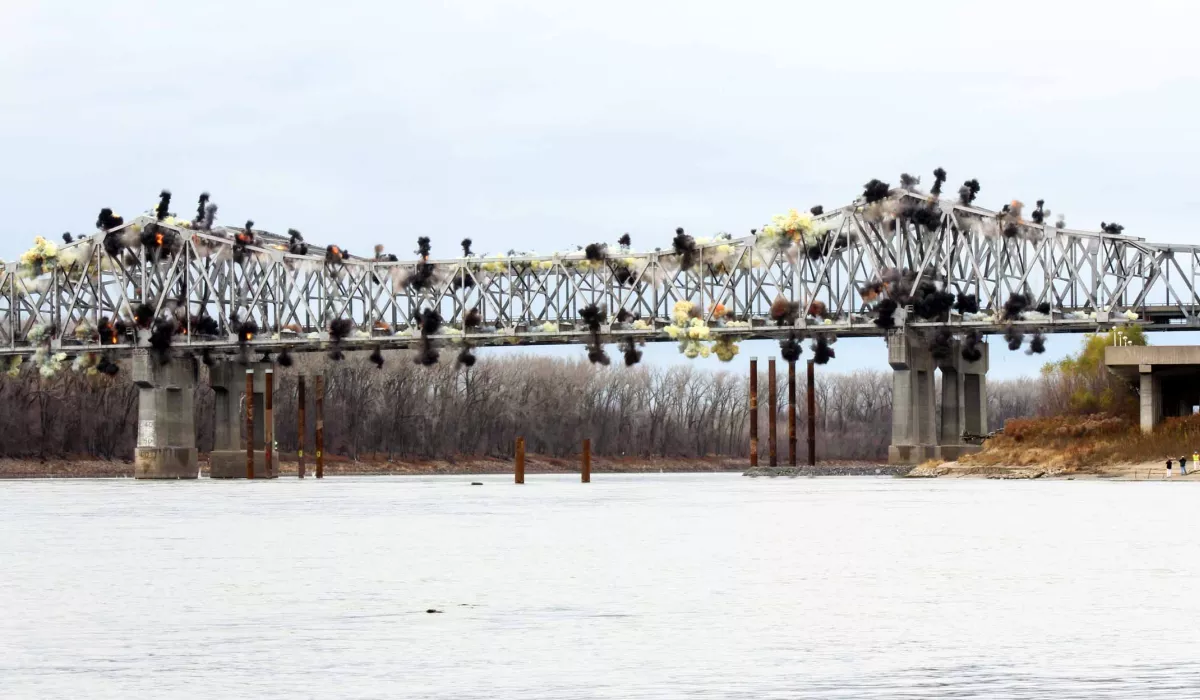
1091,280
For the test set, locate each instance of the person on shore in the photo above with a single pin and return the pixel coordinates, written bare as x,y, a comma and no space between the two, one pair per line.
1195,459
1183,465
1169,463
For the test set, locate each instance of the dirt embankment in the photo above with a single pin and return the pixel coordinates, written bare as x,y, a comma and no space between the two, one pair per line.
1096,446
85,467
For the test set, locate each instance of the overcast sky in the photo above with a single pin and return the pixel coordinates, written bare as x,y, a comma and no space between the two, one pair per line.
542,124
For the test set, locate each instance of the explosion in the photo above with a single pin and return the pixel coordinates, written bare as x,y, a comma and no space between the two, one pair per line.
942,344
1015,306
593,317
1037,344
822,350
422,276
939,177
1014,337
968,192
784,312
164,203
296,244
339,330
790,348
685,247
970,347
431,322
875,190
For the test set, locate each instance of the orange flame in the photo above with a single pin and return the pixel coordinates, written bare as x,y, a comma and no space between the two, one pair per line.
158,239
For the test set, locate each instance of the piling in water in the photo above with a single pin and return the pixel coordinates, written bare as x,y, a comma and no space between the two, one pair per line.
300,426
585,474
269,417
320,427
812,418
792,412
249,424
754,411
519,463
773,417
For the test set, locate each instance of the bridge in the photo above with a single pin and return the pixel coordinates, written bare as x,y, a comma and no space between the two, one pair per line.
934,274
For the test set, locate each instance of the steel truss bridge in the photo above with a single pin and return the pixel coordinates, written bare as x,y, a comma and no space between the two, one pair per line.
1090,279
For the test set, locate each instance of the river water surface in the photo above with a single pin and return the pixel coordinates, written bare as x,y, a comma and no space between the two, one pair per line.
659,586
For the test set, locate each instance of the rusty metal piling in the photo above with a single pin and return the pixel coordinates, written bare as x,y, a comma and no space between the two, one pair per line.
812,418
753,411
320,427
773,417
249,423
585,474
519,462
300,426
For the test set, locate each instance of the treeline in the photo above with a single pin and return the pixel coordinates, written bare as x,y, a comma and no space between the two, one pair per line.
408,411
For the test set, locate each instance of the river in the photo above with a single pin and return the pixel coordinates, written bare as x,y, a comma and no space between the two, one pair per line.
635,586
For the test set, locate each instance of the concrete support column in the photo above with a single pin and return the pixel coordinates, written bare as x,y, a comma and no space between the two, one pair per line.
228,458
913,438
166,442
1150,398
964,401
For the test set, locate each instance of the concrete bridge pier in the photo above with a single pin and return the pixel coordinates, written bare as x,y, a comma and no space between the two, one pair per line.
228,458
166,441
912,399
964,401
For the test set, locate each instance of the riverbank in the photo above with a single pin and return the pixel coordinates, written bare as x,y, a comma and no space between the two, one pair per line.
88,468
1142,471
830,469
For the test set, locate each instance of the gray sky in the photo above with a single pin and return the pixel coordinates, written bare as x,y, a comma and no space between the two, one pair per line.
543,124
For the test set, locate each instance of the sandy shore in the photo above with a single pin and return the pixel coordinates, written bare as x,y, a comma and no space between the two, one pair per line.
1147,471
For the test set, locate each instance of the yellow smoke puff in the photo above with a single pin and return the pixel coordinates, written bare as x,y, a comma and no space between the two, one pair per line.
549,327
640,325
681,311
673,332
699,332
691,351
705,351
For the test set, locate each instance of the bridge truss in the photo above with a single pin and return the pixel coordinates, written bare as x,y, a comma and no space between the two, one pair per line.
1090,280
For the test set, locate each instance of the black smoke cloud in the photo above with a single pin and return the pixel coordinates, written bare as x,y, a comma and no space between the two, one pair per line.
431,322
1015,306
161,334
790,348
967,304
1037,344
594,317
941,346
162,211
630,349
886,313
822,350
875,190
296,244
939,177
970,346
1013,337
339,330
968,192
685,247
